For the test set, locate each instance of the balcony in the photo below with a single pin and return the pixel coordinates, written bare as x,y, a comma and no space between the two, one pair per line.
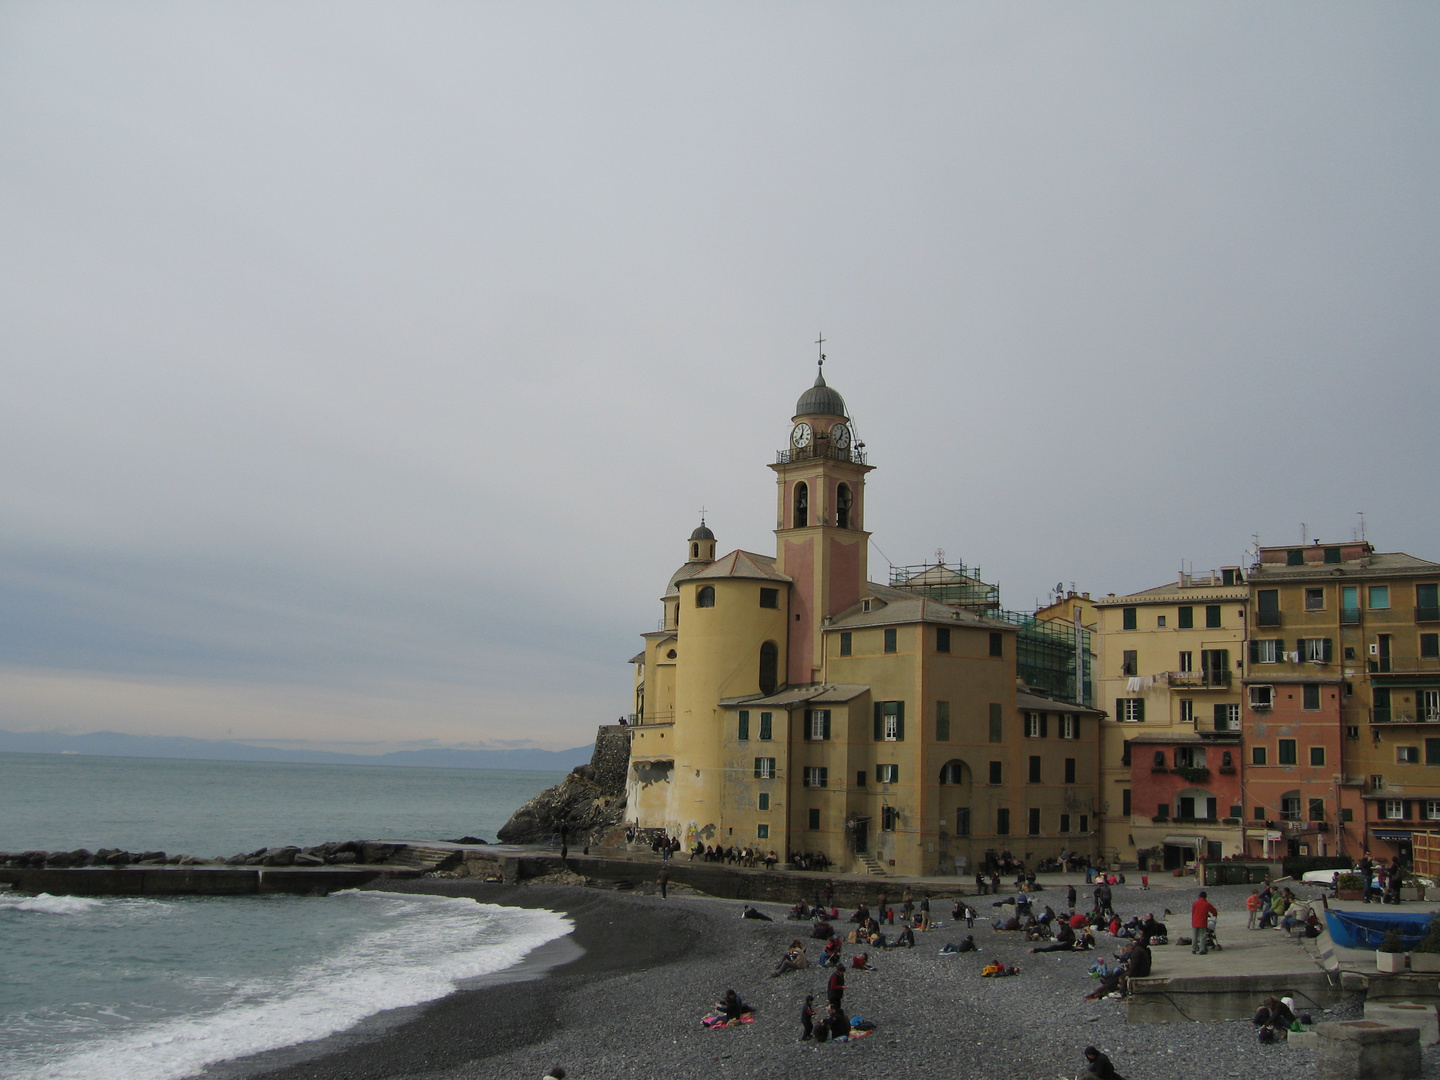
1267,618
1195,774
1403,665
1200,680
1350,616
1427,613
820,449
1404,716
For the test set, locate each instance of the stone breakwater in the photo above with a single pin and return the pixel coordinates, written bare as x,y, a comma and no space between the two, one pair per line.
331,853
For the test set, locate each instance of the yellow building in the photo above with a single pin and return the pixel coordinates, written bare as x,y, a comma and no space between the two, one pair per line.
1170,665
789,703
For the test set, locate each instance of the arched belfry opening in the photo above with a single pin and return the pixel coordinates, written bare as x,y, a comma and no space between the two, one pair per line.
802,505
844,506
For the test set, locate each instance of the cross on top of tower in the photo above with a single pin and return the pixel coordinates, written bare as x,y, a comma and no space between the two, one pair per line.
820,347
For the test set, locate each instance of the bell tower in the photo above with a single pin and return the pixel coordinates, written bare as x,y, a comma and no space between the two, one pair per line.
820,536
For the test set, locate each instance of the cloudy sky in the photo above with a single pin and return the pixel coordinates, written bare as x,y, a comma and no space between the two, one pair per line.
365,366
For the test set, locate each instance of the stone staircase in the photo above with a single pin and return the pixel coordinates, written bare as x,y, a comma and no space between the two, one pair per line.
425,859
871,863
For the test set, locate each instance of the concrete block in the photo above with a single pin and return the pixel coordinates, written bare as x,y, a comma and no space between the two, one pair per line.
1366,1050
1302,1040
1407,1014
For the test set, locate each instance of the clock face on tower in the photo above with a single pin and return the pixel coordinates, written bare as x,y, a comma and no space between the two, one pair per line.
840,436
801,436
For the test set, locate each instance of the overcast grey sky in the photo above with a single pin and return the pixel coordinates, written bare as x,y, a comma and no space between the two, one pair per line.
366,365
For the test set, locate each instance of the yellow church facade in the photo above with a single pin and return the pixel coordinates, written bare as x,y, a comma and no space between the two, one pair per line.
788,703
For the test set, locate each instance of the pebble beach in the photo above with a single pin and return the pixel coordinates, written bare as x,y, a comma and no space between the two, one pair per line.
630,1007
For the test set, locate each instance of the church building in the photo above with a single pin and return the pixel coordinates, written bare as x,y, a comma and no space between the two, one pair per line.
789,703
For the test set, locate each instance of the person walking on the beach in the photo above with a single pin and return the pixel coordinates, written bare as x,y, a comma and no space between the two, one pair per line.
807,1018
1070,897
1252,905
663,879
1200,913
835,989
829,894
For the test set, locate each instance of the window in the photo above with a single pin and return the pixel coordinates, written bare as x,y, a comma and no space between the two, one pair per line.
1349,603
1287,752
1069,770
1185,618
1034,768
1429,646
845,640
1314,599
1262,697
1432,809
817,776
1379,597
1295,557
1429,705
802,505
1267,605
1125,802
744,732
1130,710
814,821
1187,711
1332,554
844,502
889,721
1034,823
1128,664
1392,810
1187,663
860,777
1158,763
997,722
995,772
1317,755
817,724
1380,698
1317,809
764,801
1310,696
1032,725
762,832
952,772
764,768
1407,755
1257,755
769,598
1427,603
1160,621
889,816
1266,651
962,821
942,721
1064,823
887,774
890,635
1352,731
705,596
1377,782
1212,616
997,643
1127,618
1189,757
769,667
1316,650
1347,814
1084,823
1162,811
1259,813
1069,727
942,639
1290,808
1002,822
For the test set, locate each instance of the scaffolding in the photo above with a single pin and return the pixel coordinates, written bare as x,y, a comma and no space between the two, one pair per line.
1045,649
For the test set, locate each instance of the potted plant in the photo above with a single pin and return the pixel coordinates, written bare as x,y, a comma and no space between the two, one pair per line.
1426,956
1349,887
1390,956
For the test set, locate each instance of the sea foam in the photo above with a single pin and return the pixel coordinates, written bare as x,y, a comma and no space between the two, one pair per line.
46,904
416,949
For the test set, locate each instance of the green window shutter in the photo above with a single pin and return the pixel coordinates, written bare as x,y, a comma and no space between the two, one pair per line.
757,768
1432,751
827,725
1254,651
1044,725
1119,708
1279,648
809,715
1329,650
879,721
1077,727
899,721
1140,709
744,724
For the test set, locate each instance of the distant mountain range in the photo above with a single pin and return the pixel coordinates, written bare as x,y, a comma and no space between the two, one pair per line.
115,744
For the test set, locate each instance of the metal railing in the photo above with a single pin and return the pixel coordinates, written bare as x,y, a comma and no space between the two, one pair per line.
1427,613
1349,616
1267,618
826,450
1423,715
1200,680
1398,665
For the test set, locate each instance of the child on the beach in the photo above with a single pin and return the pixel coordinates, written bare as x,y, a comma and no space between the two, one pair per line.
807,1018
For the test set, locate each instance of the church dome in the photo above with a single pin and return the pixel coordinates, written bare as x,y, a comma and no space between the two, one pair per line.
820,400
702,533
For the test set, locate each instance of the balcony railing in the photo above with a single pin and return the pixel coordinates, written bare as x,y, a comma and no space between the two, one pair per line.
1200,680
1267,618
1402,665
1404,716
1350,616
820,449
1427,614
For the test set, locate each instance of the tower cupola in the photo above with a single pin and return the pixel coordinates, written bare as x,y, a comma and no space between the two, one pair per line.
702,544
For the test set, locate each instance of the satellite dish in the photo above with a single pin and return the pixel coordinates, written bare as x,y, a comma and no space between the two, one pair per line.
1059,586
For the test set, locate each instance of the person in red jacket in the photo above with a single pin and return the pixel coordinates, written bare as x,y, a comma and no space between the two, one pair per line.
1200,913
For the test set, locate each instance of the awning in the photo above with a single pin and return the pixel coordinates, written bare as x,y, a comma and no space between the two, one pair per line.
1196,842
1390,834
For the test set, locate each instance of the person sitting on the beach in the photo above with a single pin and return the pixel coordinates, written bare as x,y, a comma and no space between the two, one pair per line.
837,1022
861,913
831,956
731,1007
794,959
1296,916
1155,930
967,944
824,932
1098,1066
861,962
1010,924
799,912
1064,940
906,937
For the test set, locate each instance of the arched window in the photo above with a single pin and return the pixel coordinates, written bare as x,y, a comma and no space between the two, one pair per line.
802,505
705,597
844,500
954,772
694,551
769,667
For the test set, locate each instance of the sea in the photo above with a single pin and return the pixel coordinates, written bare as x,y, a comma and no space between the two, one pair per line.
161,989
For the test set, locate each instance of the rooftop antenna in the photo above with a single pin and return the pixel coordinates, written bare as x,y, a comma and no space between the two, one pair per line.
1304,533
1361,513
